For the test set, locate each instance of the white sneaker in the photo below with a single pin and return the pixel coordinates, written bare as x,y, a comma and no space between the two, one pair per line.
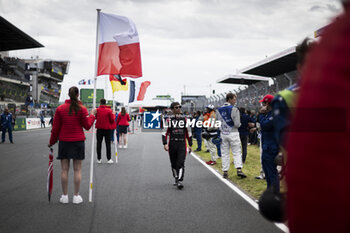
99,161
77,199
120,146
64,199
110,161
125,146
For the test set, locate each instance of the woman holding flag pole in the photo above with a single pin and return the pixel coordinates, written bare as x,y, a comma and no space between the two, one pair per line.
69,121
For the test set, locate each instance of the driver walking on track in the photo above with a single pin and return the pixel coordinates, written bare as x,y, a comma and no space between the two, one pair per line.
176,131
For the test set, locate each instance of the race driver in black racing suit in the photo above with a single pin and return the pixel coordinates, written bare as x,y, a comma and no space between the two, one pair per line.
175,130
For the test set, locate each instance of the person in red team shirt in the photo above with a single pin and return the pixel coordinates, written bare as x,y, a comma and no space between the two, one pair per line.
68,124
123,124
317,173
104,124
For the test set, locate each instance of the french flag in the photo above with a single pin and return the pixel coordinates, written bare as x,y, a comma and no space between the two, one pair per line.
138,90
119,47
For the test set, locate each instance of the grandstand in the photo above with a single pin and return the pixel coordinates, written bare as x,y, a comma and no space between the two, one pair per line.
23,80
45,77
280,69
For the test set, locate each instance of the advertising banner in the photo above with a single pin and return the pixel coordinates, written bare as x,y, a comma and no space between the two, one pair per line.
20,124
34,123
87,95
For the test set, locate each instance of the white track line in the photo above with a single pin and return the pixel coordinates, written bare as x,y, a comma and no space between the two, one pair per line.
281,226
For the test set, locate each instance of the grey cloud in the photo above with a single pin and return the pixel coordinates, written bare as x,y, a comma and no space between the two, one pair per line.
332,8
327,7
315,8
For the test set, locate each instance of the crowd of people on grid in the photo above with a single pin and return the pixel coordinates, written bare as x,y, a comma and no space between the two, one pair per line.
240,129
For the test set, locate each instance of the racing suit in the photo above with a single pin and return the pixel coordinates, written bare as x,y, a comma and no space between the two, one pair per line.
175,134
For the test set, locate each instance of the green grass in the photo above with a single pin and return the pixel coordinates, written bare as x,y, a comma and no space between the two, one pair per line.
251,168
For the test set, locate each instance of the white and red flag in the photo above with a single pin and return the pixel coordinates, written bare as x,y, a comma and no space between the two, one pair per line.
119,47
117,55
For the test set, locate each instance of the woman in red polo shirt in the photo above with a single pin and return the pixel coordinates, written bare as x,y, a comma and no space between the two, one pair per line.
68,124
123,123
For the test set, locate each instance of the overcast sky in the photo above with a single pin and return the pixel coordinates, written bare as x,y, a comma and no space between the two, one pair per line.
186,45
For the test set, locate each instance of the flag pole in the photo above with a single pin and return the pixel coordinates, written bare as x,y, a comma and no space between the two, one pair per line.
94,106
115,138
127,132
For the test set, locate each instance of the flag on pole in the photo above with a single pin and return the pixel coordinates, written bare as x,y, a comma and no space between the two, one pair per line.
138,90
118,84
117,53
119,47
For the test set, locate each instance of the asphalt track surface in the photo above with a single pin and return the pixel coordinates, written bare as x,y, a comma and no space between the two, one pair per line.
135,195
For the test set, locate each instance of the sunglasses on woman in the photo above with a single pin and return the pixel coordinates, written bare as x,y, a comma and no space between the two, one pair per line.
177,107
